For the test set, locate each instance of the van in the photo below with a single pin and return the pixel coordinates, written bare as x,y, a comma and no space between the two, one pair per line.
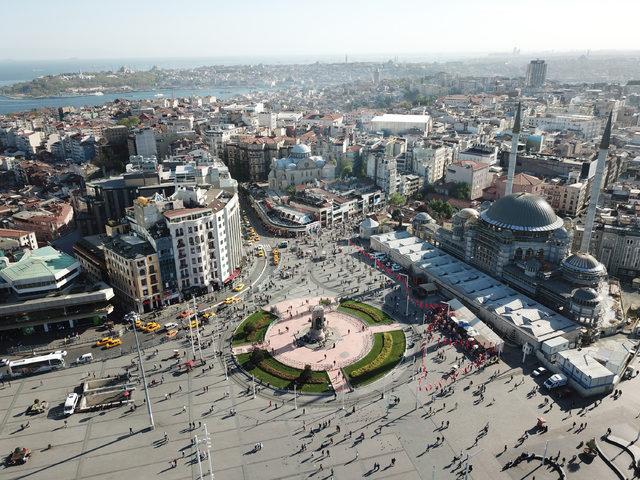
70,404
170,326
85,358
555,381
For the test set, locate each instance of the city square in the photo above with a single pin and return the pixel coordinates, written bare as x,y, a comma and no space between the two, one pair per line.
395,422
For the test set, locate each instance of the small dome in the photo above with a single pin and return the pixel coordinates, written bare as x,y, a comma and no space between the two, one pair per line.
585,295
464,215
522,212
583,263
300,151
423,217
468,213
291,166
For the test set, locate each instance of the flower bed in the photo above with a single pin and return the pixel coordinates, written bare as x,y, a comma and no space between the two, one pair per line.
253,328
279,375
367,313
388,348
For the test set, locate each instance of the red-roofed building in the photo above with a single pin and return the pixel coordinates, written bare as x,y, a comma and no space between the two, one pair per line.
25,238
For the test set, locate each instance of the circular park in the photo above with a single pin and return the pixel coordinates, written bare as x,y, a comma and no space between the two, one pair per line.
318,345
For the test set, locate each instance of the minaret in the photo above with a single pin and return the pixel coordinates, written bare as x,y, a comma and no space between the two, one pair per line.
595,188
514,151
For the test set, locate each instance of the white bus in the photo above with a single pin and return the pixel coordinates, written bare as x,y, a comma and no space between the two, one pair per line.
30,366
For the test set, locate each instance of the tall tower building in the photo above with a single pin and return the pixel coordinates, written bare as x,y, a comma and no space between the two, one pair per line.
515,138
536,73
597,185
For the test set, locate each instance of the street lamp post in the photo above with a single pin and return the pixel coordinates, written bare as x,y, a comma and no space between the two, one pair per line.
209,445
133,316
406,276
197,443
295,396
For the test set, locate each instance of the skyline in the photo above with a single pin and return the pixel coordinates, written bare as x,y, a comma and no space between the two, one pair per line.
281,28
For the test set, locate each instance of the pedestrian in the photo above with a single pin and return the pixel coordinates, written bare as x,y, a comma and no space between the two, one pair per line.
130,431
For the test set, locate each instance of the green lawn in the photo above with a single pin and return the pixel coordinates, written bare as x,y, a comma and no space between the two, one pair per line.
276,381
367,313
388,363
253,328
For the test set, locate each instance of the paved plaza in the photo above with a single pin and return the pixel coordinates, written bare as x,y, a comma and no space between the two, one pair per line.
395,422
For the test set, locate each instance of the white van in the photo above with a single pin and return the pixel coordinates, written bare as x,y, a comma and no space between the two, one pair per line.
85,358
170,326
71,403
555,381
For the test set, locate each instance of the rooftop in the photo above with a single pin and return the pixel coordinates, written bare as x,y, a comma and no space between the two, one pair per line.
42,262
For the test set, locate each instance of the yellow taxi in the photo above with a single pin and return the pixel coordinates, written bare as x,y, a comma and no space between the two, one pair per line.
238,287
152,328
230,300
115,342
208,315
191,324
260,253
171,333
103,341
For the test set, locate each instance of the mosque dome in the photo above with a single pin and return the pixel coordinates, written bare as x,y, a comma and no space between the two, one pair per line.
464,215
522,212
423,217
582,269
585,295
583,263
300,151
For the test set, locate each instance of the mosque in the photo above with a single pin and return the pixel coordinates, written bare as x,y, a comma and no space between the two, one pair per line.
299,168
522,242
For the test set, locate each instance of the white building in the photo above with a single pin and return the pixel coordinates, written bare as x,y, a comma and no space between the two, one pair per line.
480,153
586,125
474,174
397,123
431,161
207,240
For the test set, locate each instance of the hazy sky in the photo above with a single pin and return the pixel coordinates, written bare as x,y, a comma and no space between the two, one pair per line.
54,29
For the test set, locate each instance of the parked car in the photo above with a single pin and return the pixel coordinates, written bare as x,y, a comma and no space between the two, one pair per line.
70,404
539,371
556,380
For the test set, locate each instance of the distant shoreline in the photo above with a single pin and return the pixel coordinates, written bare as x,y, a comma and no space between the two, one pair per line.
107,91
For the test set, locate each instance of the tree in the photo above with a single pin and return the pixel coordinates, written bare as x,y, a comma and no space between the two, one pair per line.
397,200
440,209
257,356
347,171
291,190
305,375
396,216
461,191
129,122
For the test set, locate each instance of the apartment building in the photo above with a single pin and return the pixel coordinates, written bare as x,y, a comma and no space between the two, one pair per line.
206,238
474,174
134,273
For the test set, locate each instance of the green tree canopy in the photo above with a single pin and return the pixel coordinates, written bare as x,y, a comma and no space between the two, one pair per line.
397,200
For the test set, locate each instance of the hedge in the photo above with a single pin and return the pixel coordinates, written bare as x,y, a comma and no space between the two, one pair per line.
367,313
